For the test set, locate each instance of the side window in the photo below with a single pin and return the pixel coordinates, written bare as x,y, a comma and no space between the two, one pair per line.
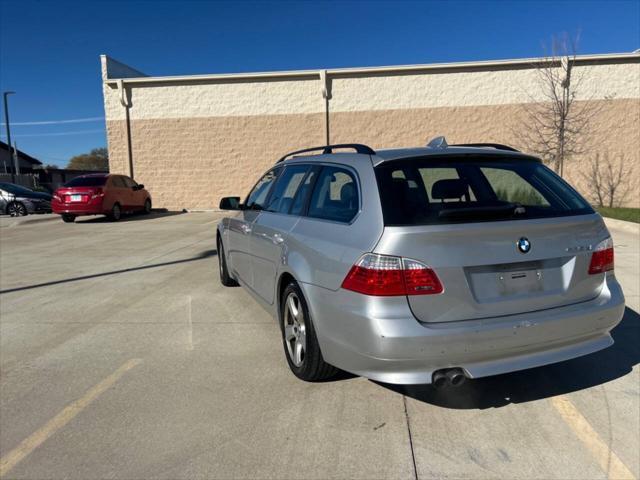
258,195
303,192
118,182
128,182
285,188
335,195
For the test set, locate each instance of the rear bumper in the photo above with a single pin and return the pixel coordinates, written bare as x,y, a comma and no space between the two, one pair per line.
379,338
78,209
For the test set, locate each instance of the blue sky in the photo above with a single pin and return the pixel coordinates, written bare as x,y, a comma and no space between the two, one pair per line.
49,50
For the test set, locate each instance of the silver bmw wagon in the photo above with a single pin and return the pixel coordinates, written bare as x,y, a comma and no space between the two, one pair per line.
422,265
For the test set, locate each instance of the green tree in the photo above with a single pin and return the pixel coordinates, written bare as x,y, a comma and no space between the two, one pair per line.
96,159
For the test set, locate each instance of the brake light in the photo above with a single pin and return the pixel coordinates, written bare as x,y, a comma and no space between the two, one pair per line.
97,193
57,197
602,257
385,275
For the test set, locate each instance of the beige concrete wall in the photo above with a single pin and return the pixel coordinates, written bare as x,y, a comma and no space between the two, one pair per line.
197,140
192,163
615,132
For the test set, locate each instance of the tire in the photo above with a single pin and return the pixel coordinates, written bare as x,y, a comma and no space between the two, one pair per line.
147,206
17,209
299,338
68,218
225,278
116,213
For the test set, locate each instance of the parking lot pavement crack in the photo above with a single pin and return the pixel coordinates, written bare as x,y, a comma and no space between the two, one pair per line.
413,456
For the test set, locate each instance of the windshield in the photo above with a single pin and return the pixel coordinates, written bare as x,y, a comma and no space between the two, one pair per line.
86,182
472,189
15,189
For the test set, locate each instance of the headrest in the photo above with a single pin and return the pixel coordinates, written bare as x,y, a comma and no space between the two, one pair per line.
449,188
347,192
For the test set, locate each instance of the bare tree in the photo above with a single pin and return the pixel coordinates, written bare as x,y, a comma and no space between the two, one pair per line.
553,124
608,179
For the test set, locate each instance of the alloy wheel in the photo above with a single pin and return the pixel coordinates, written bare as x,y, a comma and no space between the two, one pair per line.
295,331
17,210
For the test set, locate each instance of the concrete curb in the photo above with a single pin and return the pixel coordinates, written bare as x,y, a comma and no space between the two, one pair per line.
629,227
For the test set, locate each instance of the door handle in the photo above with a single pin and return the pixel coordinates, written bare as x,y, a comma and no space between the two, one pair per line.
277,239
246,229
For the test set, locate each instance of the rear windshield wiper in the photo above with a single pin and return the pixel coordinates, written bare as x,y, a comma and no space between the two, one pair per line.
489,211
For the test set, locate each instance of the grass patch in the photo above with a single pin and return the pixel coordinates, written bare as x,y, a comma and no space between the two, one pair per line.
627,214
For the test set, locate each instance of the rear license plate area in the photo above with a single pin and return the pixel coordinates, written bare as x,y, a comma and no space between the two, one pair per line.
75,198
521,281
492,283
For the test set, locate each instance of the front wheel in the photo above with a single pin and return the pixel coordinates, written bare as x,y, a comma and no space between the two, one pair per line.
67,218
147,206
299,338
16,209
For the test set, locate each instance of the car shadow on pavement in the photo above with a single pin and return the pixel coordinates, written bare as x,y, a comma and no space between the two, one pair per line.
131,217
542,382
202,255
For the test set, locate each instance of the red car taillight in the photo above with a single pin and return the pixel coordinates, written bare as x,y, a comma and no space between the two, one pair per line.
384,275
98,192
602,257
57,197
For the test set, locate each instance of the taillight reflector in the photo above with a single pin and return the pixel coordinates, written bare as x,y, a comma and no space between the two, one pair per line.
384,275
602,257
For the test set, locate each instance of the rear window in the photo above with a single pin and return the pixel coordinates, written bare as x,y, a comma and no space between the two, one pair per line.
473,189
86,182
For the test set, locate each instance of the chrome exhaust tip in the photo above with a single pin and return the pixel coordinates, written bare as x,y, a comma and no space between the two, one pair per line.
448,376
455,377
439,379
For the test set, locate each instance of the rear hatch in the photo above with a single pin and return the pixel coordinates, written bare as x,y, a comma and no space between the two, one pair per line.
81,189
504,235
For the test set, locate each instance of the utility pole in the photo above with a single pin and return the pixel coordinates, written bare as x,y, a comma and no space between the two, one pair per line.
16,160
6,122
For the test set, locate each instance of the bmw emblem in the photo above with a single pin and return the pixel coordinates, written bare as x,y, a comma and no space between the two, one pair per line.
524,245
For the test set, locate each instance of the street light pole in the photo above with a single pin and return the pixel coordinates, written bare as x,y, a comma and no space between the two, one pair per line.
6,122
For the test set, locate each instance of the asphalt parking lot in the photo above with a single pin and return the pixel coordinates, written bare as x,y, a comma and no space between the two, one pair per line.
123,357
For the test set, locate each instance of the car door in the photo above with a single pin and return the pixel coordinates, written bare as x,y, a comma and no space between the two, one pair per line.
120,192
136,200
239,230
4,196
270,230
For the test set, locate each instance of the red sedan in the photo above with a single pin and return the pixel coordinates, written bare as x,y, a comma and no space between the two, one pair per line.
100,194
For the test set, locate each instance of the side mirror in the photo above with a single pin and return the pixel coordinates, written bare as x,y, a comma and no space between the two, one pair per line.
230,203
140,186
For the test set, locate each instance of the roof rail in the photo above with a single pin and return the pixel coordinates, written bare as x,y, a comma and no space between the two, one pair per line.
497,146
359,148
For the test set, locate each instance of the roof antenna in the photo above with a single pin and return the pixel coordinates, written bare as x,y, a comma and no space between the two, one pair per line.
438,142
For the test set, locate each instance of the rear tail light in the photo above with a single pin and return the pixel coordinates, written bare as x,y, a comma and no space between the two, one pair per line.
602,257
384,275
97,193
57,197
